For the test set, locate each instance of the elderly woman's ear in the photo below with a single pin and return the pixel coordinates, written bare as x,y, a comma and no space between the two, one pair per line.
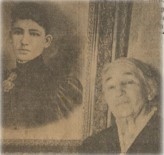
152,89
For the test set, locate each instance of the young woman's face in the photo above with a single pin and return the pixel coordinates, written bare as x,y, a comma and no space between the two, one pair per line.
124,91
29,39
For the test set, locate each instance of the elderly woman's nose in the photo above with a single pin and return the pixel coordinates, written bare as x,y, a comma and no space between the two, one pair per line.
120,90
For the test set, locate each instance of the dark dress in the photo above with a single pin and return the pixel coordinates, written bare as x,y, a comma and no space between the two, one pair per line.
107,141
38,96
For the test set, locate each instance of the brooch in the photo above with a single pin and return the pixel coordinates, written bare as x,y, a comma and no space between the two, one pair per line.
8,84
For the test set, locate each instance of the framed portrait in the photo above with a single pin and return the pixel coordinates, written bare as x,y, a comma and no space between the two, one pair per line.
53,54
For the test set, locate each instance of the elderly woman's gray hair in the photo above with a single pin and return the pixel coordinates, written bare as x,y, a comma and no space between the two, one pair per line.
150,76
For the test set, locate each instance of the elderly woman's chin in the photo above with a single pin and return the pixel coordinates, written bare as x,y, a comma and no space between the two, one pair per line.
123,113
126,111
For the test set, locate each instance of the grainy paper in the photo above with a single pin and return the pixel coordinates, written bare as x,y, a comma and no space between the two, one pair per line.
61,82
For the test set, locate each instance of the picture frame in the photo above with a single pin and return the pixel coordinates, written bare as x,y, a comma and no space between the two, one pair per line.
103,31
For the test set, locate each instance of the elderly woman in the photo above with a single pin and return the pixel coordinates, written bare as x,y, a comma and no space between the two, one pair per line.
131,91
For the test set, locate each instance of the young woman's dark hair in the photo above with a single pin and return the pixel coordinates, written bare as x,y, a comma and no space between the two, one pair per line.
31,10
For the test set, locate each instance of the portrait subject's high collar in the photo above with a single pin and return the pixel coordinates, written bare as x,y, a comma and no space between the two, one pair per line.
32,65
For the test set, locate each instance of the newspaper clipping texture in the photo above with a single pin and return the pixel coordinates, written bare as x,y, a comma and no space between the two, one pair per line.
81,76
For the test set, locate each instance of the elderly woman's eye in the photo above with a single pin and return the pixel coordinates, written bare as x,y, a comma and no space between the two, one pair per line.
110,87
130,82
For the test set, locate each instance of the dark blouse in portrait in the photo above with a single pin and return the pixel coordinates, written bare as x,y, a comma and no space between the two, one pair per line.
34,96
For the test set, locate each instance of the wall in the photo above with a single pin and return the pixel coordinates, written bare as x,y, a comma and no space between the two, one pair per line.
145,38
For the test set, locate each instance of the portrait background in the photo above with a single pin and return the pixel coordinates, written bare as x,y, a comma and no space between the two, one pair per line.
65,56
101,32
69,30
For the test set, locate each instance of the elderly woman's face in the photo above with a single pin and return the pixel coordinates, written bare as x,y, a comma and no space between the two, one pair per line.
124,90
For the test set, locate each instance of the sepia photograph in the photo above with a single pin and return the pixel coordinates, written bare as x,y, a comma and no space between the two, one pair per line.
81,77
